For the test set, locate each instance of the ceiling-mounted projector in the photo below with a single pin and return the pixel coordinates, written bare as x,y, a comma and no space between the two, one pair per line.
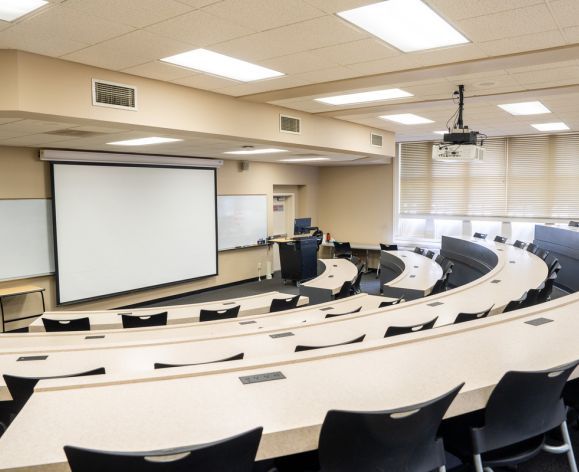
460,144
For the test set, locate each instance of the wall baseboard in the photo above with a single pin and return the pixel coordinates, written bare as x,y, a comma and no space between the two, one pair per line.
186,294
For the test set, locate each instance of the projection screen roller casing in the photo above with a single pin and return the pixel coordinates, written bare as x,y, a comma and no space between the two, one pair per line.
120,228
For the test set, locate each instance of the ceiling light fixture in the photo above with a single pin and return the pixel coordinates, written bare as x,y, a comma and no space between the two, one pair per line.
559,126
11,10
219,64
250,151
305,159
525,108
364,97
406,119
144,141
409,25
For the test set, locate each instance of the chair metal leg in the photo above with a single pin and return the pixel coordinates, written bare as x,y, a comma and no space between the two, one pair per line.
567,439
442,468
477,461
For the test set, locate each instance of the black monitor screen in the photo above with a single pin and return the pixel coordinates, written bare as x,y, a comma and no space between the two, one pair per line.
302,225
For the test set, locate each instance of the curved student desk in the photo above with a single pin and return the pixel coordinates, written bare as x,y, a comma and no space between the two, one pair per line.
326,285
414,274
111,319
193,409
563,243
131,361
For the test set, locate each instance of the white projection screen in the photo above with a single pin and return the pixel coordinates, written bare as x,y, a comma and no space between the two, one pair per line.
120,228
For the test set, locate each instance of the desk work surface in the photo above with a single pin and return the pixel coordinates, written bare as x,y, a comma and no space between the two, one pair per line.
20,290
419,275
336,272
133,362
111,319
164,413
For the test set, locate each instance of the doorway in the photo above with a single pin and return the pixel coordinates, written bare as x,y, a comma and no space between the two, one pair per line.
283,221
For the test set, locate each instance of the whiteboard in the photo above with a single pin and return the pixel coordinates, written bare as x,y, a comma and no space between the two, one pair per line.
242,220
26,248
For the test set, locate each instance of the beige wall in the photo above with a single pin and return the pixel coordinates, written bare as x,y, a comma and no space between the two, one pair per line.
355,203
23,175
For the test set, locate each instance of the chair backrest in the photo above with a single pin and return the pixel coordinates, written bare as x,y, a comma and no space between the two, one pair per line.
462,317
342,249
480,235
419,250
356,284
392,302
439,259
234,454
52,326
439,286
520,244
345,290
554,269
144,321
281,304
215,315
447,266
542,253
547,289
531,299
532,248
574,224
388,247
22,388
521,406
300,347
500,239
236,357
396,330
392,440
430,254
514,305
333,315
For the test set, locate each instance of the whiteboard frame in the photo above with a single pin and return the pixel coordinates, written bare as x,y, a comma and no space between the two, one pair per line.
266,219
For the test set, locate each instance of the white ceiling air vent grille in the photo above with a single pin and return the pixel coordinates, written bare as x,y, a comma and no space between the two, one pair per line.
290,124
112,95
376,139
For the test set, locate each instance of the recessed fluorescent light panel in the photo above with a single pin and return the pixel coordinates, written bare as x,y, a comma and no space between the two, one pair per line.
407,119
11,10
305,159
551,126
224,66
144,141
525,108
245,152
409,25
364,97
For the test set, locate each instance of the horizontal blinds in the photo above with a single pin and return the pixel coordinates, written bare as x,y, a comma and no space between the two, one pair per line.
527,176
452,188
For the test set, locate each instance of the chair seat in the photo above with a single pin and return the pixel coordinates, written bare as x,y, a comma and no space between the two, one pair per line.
515,454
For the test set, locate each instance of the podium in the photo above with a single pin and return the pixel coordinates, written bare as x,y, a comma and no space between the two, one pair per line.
298,259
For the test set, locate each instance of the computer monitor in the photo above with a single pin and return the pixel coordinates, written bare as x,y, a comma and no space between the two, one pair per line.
302,225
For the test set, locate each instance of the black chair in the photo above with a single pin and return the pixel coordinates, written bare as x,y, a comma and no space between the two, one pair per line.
430,254
531,298
388,247
520,244
333,315
532,248
144,321
512,428
396,330
439,259
462,317
480,235
405,439
574,224
356,289
342,250
216,315
300,348
554,269
53,326
236,357
392,302
542,253
22,388
281,304
447,266
419,250
345,291
440,286
514,304
234,454
500,239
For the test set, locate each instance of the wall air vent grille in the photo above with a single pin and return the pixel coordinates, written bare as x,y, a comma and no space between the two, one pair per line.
110,94
290,124
376,139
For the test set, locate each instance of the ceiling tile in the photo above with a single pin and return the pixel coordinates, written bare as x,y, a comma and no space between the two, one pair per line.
327,75
461,9
533,19
299,62
199,29
566,12
137,13
205,82
382,66
260,16
106,57
262,86
572,34
198,3
463,52
159,70
334,6
529,42
39,43
357,51
565,74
